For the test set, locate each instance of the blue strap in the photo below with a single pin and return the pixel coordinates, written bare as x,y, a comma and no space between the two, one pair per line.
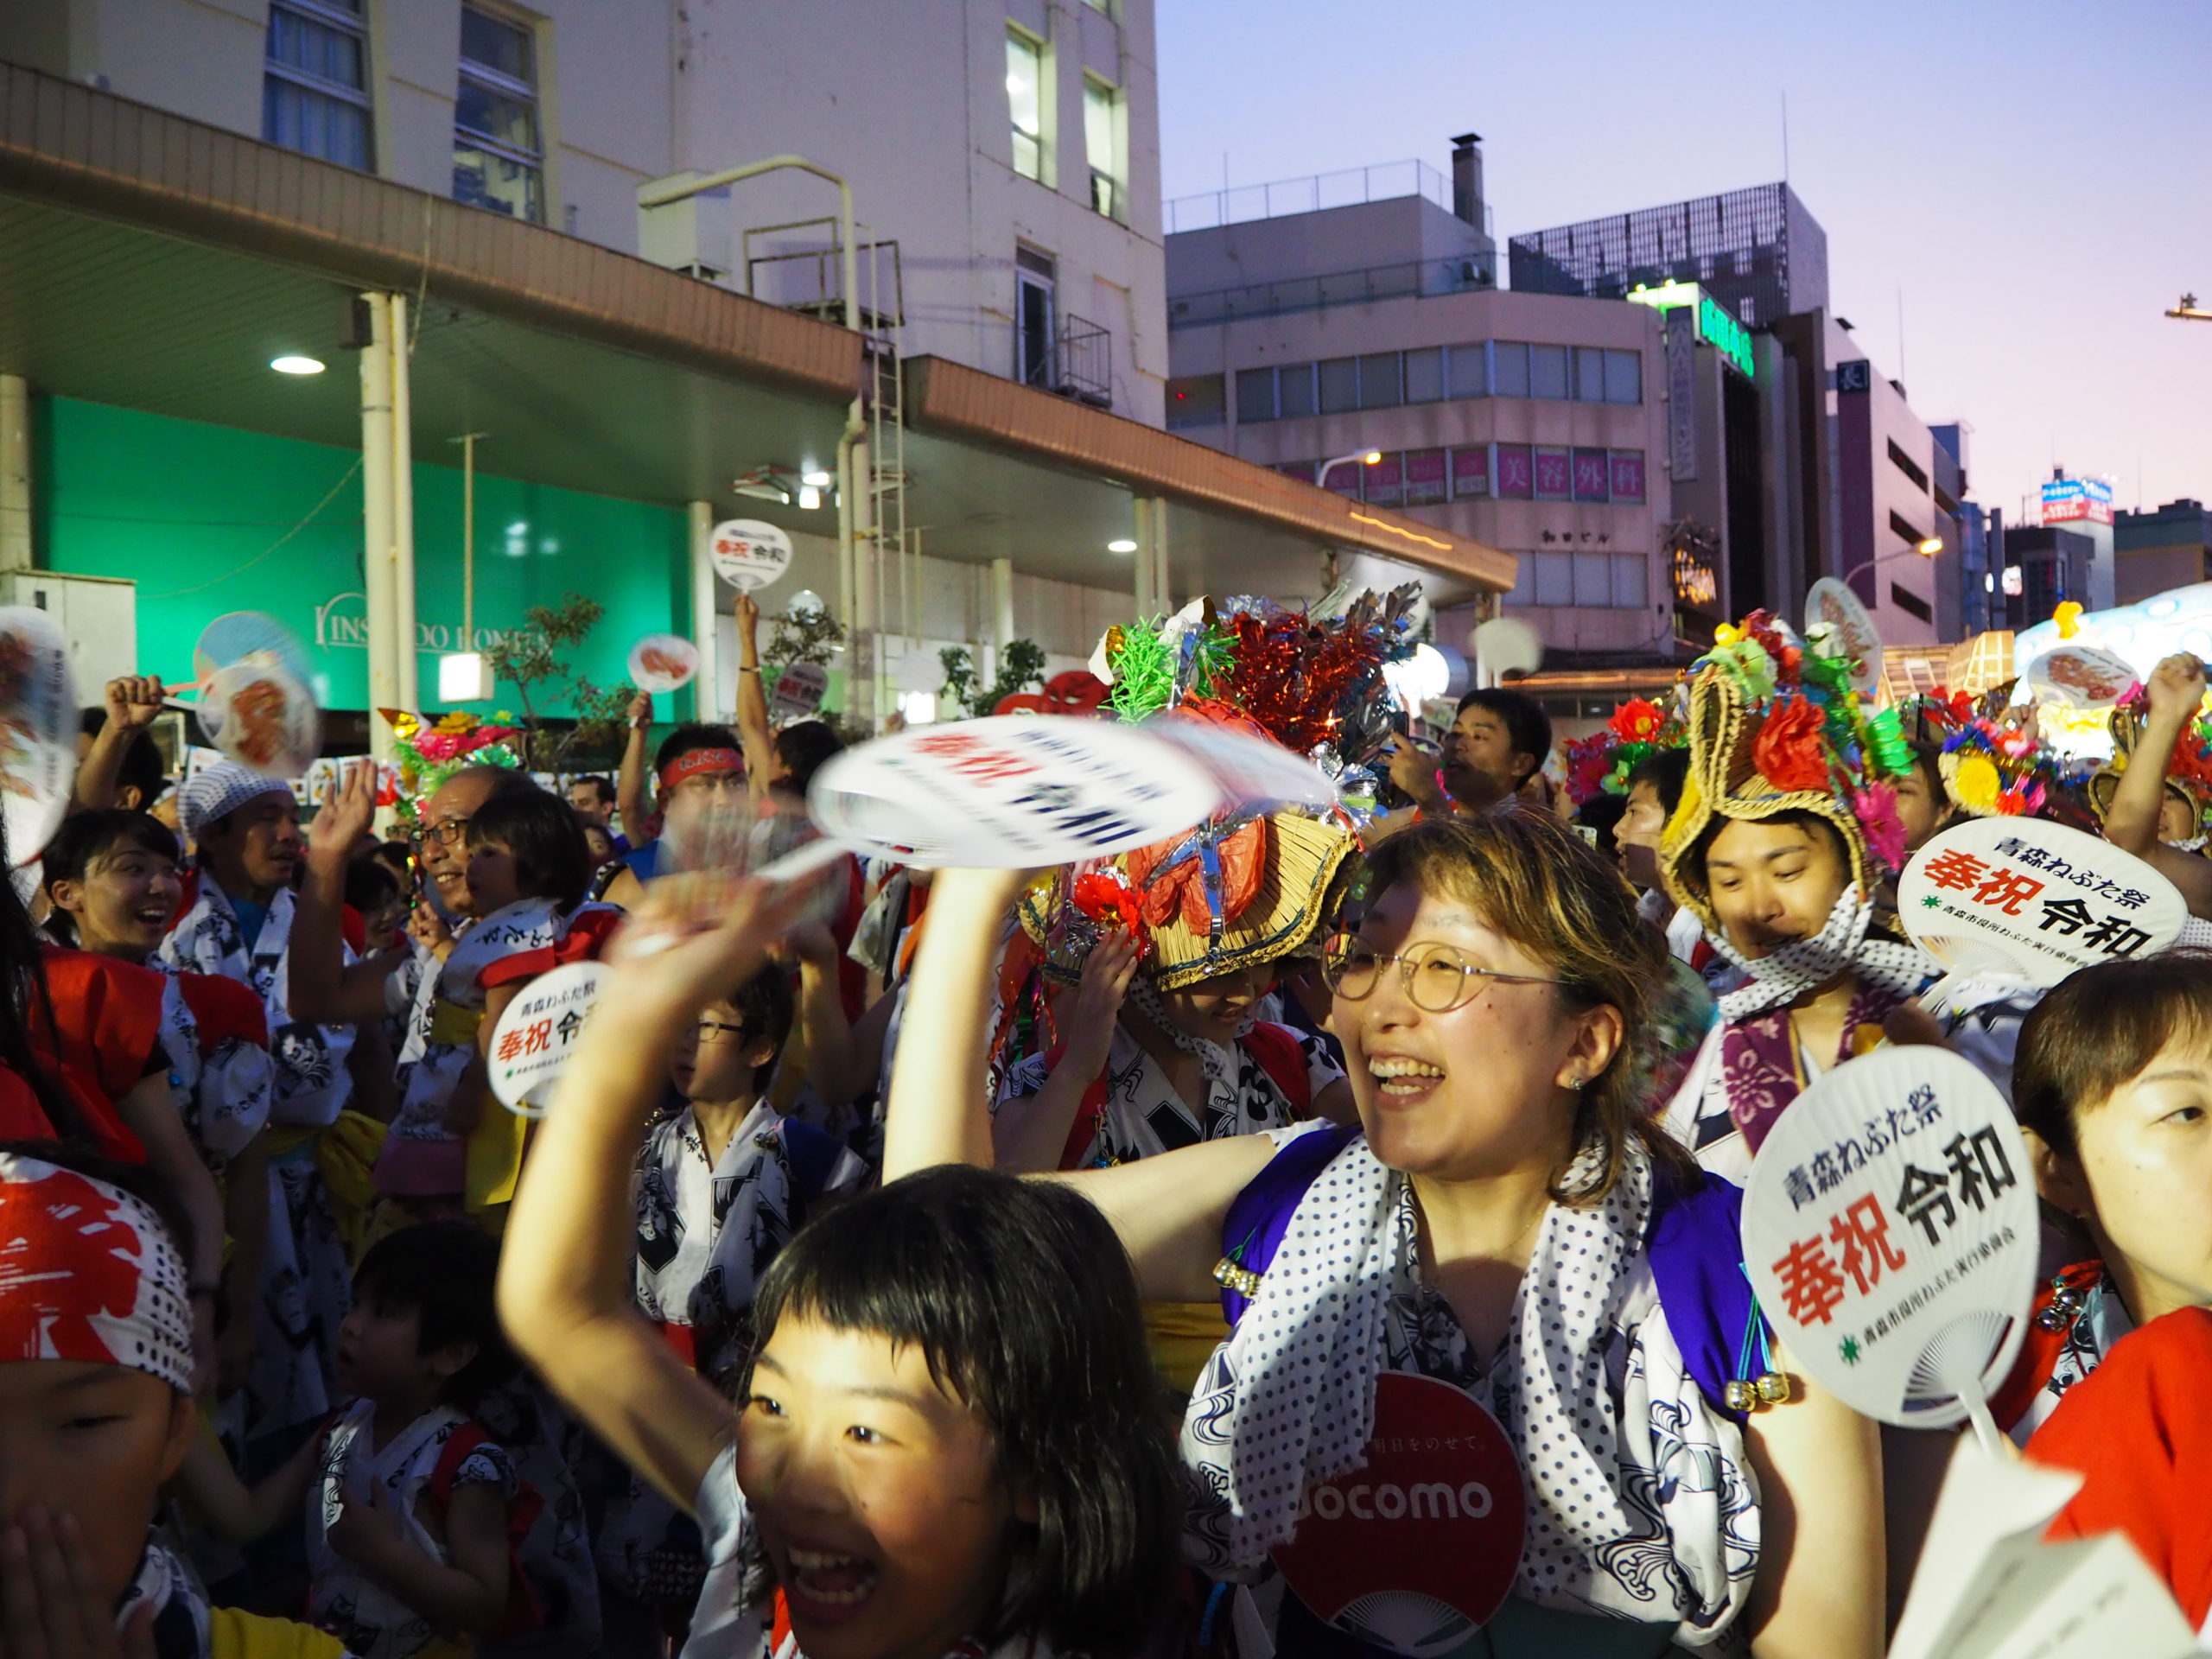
1259,1214
1696,1250
813,1154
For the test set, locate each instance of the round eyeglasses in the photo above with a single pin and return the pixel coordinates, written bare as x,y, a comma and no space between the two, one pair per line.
1437,978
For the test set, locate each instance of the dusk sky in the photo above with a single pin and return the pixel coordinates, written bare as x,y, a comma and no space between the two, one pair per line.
2036,178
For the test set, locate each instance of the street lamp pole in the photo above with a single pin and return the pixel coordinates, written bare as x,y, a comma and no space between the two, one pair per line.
1925,549
1365,458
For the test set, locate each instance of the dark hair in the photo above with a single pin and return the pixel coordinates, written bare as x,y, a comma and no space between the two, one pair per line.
1526,724
369,884
1601,814
398,857
2101,1026
1021,1299
541,830
1533,879
1665,771
24,1002
598,785
765,1003
142,768
84,839
688,737
443,1272
802,747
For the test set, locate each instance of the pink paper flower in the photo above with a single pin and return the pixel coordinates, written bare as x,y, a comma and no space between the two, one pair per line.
1877,808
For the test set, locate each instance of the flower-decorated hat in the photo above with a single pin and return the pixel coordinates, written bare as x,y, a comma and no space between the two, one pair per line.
431,751
1600,763
1775,727
2188,773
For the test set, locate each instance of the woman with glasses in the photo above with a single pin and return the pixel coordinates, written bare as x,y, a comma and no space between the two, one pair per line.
1504,1222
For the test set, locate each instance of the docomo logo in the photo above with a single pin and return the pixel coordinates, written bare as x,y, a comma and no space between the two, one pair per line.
1435,1500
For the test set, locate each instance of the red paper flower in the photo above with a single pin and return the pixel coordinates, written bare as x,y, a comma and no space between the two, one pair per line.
1107,900
1787,753
1637,721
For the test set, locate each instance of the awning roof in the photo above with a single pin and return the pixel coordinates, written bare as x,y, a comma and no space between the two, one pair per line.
154,263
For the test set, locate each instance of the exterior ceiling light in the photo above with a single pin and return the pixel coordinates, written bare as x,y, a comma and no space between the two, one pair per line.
815,480
1123,546
291,364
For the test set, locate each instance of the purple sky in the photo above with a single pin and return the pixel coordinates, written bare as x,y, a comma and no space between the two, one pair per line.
2036,178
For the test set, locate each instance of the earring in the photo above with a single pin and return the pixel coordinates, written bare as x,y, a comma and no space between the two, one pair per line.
1577,1082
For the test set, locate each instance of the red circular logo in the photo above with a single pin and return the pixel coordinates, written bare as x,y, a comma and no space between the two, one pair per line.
1418,1548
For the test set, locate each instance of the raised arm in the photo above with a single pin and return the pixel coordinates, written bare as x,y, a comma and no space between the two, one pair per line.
2176,688
134,702
320,985
1167,1210
630,781
1030,1131
760,743
565,1292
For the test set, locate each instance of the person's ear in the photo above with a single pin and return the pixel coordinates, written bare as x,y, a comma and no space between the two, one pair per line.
67,895
2059,1178
451,1359
763,1053
184,1428
1597,1034
1025,1507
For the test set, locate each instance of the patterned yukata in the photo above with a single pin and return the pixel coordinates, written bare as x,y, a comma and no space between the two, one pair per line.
341,1597
306,1285
185,1627
1144,1114
216,1036
1643,1508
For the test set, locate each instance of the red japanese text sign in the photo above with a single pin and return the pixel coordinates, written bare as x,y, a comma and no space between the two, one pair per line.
1891,1213
2035,899
537,1033
1418,1547
749,553
1010,792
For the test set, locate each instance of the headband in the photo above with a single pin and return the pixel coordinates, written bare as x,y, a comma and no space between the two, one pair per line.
87,1272
692,762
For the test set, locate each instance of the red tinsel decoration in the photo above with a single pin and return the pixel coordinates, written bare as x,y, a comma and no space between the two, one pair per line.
1293,679
1108,901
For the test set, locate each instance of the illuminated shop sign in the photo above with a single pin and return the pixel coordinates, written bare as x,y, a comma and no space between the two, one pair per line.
1714,326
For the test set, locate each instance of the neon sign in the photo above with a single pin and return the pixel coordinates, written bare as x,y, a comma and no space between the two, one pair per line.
1714,326
2068,500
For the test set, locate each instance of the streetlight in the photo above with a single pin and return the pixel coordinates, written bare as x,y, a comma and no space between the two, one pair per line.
1364,457
1927,548
2189,311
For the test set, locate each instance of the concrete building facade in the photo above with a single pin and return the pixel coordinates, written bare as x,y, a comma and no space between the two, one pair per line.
2167,547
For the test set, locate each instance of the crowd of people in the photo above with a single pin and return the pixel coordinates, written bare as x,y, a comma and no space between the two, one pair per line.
916,1263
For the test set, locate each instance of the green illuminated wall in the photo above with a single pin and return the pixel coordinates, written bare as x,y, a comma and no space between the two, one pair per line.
190,513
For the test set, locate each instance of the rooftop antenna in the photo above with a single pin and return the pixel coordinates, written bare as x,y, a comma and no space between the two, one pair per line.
1901,373
1785,144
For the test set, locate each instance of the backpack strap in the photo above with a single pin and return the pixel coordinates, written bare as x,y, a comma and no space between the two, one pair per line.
1695,1245
522,1614
814,1156
1259,1214
1283,1057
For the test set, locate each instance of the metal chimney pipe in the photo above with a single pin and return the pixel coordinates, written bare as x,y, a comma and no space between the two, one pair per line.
1467,178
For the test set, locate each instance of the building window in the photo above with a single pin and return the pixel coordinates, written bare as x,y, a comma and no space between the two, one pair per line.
498,154
1294,390
1509,369
1024,97
1904,463
1548,368
1516,472
1589,374
1627,484
1383,484
1901,525
1470,472
1424,375
1380,384
1554,474
1624,377
1344,478
1910,603
314,96
1035,277
1619,581
1255,396
1196,400
1589,475
1470,367
1339,384
1425,484
1102,127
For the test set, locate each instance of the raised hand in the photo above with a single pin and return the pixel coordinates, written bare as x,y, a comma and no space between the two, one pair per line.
2177,687
349,807
134,701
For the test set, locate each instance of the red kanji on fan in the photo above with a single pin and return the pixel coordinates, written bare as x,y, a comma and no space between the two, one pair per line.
510,1046
1862,1232
2007,892
1955,871
1811,1286
538,1037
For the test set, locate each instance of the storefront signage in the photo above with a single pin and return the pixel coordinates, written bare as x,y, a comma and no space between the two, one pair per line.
1713,324
1682,405
2073,500
1697,584
341,623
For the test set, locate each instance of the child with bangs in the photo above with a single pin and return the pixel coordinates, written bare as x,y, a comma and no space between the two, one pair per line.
948,1444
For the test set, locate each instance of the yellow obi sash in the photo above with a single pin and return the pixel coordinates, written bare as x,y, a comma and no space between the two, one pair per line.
1182,1337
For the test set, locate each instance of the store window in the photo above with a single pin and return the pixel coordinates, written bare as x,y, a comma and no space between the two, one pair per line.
1624,377
1509,369
1101,146
1469,369
1470,472
1196,400
1548,370
1255,396
1424,375
1024,97
1554,474
498,157
314,82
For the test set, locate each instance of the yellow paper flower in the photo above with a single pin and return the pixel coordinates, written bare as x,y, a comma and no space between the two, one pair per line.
405,726
1727,633
1978,784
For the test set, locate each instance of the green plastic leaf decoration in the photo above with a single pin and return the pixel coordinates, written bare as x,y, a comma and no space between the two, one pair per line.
1747,661
1212,659
1885,735
1144,673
